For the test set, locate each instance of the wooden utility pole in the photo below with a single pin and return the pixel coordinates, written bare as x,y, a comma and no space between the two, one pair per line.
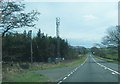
0,58
31,47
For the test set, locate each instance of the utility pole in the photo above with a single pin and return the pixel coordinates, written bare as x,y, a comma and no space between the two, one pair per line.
119,41
31,47
0,49
57,34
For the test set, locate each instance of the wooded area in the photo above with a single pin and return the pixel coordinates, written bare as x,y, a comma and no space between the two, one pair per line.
16,47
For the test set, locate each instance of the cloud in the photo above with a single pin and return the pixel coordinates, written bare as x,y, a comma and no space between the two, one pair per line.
83,36
90,18
83,42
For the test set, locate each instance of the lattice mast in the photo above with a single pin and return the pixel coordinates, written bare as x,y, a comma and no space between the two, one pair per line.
57,34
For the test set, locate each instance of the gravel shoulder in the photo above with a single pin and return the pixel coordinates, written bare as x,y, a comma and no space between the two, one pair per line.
56,74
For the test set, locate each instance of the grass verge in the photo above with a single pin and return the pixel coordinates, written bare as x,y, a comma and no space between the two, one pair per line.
108,60
26,76
29,75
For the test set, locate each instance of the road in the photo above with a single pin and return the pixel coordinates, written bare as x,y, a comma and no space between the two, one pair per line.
93,70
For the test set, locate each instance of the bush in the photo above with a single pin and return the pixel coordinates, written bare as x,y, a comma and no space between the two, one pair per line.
24,65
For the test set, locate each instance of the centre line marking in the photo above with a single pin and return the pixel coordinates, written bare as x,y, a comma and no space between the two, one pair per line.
72,72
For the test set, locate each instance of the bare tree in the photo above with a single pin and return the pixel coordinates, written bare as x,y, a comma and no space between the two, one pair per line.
13,16
113,38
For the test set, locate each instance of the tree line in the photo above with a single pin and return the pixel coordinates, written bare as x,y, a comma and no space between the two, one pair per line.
16,47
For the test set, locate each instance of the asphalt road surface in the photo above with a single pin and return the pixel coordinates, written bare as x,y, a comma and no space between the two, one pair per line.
93,70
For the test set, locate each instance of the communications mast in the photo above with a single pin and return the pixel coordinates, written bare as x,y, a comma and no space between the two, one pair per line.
58,38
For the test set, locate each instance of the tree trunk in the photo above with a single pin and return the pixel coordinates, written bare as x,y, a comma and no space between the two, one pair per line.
118,52
3,34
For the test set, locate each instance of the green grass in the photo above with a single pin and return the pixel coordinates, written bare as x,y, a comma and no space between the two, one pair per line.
30,76
75,62
112,56
26,76
108,60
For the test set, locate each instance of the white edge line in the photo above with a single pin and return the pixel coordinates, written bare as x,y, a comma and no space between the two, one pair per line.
71,73
64,78
59,82
106,67
68,75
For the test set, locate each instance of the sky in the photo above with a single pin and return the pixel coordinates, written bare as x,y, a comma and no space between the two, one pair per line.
81,23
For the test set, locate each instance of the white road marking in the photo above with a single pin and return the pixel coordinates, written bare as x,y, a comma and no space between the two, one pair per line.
113,73
106,67
59,82
68,75
85,61
76,69
72,71
64,78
